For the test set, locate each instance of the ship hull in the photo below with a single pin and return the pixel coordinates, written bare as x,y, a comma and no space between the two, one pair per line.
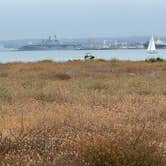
42,48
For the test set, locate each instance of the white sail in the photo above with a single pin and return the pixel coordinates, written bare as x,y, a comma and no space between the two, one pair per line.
151,47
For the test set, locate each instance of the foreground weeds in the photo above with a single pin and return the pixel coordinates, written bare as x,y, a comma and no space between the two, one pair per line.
119,151
93,113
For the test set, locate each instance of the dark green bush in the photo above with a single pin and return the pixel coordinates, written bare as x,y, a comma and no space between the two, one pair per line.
158,59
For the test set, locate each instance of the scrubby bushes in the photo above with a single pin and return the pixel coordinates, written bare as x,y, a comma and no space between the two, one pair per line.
93,113
119,151
158,59
5,94
55,76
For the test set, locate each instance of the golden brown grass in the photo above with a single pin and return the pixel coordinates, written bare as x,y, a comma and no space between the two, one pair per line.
83,113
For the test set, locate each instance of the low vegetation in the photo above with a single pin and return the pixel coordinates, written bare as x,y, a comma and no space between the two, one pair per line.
158,59
94,113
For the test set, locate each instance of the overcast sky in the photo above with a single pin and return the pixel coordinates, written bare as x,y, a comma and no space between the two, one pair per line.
81,18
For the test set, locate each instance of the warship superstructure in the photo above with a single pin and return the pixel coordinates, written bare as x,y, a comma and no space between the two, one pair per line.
49,44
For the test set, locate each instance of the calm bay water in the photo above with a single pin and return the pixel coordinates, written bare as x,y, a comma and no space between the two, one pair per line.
60,56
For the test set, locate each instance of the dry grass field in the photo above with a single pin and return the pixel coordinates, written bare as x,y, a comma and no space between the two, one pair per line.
93,113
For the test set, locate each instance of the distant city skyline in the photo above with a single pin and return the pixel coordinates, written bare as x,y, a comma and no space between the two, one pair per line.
22,19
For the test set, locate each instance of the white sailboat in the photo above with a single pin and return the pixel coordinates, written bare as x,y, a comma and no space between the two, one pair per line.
152,48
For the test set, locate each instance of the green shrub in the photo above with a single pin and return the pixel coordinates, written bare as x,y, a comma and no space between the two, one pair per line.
95,86
5,95
158,59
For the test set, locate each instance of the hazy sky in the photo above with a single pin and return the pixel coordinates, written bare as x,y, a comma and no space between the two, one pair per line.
81,18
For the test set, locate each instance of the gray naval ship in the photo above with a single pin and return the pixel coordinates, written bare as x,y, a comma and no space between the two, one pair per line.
50,44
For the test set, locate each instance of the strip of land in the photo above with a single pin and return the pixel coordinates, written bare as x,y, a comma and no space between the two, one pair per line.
83,113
